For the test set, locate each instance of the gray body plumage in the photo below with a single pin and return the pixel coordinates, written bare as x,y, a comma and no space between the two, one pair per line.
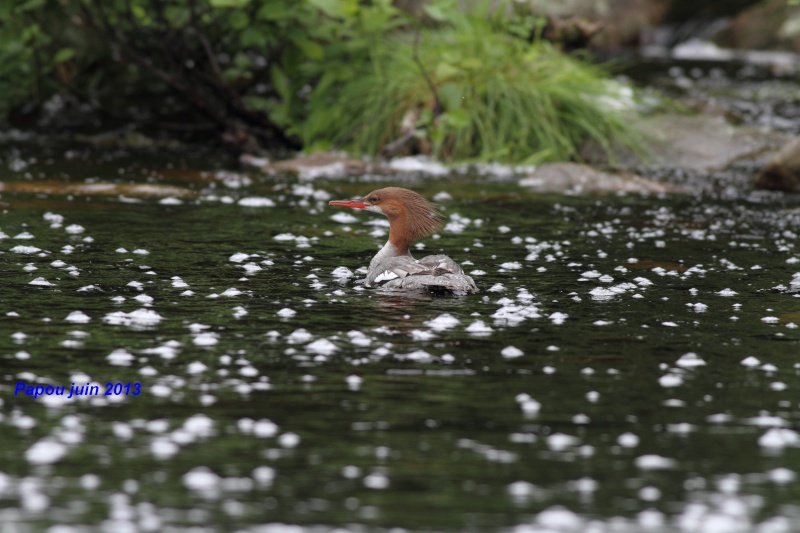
433,273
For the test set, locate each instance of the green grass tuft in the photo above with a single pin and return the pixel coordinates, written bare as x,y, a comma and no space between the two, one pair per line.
503,98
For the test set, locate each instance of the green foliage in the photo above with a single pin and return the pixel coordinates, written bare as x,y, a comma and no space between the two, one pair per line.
331,73
19,60
502,98
241,63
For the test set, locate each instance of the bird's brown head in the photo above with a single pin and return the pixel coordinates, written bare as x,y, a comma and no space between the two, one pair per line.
411,216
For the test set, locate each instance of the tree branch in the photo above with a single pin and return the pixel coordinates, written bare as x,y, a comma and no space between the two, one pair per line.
217,81
234,132
437,103
408,126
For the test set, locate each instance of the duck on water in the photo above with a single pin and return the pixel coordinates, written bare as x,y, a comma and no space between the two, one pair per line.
411,217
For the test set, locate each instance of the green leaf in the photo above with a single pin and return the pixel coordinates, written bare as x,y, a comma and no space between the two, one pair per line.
30,5
276,11
451,95
457,118
140,13
233,74
471,63
425,117
326,81
239,20
65,54
446,71
281,83
311,49
177,16
242,61
228,3
252,37
258,103
336,8
440,10
380,18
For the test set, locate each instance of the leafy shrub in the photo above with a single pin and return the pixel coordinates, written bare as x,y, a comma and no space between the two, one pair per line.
474,90
360,75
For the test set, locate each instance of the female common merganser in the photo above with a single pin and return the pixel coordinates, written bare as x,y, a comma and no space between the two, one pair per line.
411,217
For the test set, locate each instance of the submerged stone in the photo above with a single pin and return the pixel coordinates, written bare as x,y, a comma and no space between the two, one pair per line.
782,172
694,143
574,178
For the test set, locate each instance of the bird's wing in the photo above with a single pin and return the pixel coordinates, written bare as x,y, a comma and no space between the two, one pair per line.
441,264
433,273
395,268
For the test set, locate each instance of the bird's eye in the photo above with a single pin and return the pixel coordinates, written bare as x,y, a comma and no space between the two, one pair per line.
374,199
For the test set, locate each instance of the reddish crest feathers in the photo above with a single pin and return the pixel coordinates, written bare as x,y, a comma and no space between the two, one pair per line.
414,215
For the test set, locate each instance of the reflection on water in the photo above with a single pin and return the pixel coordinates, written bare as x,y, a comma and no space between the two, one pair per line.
629,363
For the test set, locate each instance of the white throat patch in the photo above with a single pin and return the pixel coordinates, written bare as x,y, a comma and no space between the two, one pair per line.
384,253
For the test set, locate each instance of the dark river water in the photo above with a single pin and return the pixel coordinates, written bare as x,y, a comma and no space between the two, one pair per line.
630,363
186,347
